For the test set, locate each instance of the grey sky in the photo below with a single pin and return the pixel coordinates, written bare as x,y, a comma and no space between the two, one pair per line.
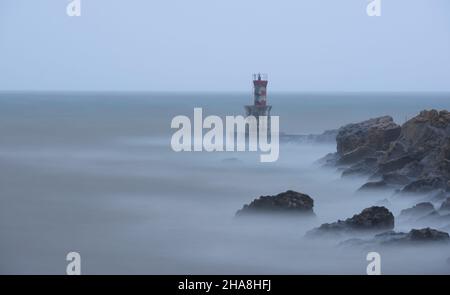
304,45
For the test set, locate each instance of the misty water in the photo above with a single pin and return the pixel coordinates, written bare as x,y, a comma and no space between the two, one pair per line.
94,173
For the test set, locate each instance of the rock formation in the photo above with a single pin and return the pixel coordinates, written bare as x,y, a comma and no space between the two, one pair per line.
414,237
373,219
289,202
418,211
414,158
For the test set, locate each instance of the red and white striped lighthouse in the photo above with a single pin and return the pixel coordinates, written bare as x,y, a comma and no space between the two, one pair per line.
259,107
260,89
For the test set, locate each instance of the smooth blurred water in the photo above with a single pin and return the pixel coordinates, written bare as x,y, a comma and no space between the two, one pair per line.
94,173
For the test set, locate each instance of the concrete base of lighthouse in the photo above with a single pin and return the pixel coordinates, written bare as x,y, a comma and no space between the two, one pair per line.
257,111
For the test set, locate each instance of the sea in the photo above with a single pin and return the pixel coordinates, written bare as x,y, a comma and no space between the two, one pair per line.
94,173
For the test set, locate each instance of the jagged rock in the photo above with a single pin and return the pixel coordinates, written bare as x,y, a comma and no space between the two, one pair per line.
396,164
374,185
412,170
395,178
417,211
425,185
414,237
370,219
375,133
290,202
427,235
425,138
415,155
364,167
358,154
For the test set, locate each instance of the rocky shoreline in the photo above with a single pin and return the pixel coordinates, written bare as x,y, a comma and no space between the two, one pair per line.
412,158
408,160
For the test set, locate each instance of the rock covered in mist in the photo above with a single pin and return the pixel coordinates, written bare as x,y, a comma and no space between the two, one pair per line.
414,237
425,185
375,185
289,202
413,158
418,211
359,140
424,215
376,218
427,235
422,152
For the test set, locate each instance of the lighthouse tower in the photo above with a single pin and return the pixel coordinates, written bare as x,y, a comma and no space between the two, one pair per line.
259,107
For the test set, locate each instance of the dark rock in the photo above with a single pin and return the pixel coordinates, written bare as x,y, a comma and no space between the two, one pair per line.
425,138
425,185
412,170
370,219
388,181
415,155
374,185
375,133
427,235
367,166
358,154
287,202
395,178
395,164
391,238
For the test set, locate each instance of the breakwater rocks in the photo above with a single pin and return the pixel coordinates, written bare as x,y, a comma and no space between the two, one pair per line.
413,158
287,203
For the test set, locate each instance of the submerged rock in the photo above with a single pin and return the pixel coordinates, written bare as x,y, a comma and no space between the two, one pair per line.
289,202
427,235
374,185
417,211
414,237
370,219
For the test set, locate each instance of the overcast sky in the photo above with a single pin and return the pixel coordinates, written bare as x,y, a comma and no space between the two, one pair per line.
212,45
